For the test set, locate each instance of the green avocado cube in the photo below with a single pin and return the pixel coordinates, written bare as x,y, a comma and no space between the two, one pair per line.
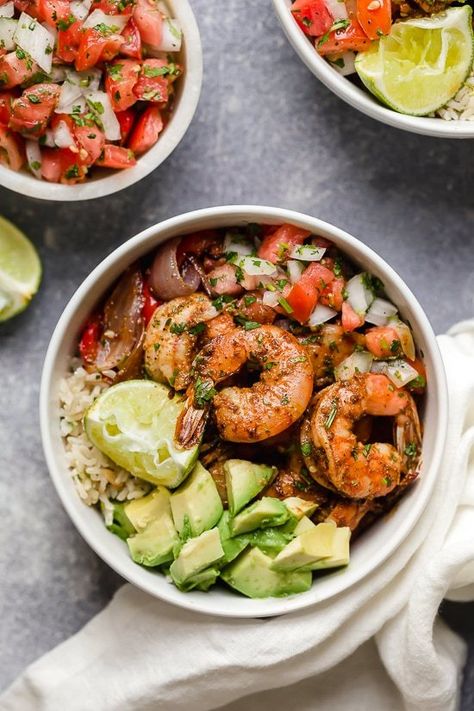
121,526
244,481
307,548
270,540
252,575
300,507
265,512
143,511
196,505
340,553
232,546
201,581
154,545
195,555
305,524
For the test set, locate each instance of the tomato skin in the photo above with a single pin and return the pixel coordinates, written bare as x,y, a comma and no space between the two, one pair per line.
383,342
149,22
304,295
56,162
116,157
332,295
152,88
150,304
312,16
14,71
53,11
375,22
30,118
12,149
272,247
121,78
351,37
350,319
126,120
68,42
132,46
95,47
113,7
146,130
89,343
91,142
28,6
6,99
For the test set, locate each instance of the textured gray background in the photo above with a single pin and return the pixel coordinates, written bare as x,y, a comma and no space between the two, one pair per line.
265,132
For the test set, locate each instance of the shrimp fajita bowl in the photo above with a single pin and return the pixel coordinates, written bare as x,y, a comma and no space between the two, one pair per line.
243,409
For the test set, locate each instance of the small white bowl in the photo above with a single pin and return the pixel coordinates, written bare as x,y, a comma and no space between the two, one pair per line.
105,182
361,98
379,542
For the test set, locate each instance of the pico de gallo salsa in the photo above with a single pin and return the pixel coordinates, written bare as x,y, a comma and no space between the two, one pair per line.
84,83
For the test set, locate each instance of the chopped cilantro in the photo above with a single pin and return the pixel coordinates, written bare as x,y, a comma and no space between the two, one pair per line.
204,391
306,448
331,417
247,325
248,300
33,99
411,450
285,305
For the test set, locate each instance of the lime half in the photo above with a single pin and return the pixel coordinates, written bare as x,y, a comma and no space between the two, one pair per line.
133,423
422,63
20,270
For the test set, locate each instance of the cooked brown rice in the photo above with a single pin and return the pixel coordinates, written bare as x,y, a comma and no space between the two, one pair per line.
461,106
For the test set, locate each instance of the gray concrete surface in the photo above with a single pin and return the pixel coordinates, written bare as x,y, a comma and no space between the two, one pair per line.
265,132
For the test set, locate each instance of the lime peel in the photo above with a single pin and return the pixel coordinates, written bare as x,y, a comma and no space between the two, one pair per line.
20,270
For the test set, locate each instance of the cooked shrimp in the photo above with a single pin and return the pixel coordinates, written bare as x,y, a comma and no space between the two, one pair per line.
172,336
223,323
327,347
252,308
247,414
339,460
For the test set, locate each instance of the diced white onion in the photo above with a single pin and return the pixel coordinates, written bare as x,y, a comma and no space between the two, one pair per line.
171,36
68,95
62,135
232,243
106,115
405,336
255,266
358,295
113,22
321,314
57,73
35,40
80,9
357,362
76,107
343,63
398,371
337,8
33,156
76,86
88,80
307,253
379,312
48,138
52,30
7,32
295,270
7,10
270,298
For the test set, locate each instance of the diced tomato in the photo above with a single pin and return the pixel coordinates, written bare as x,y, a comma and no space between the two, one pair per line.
116,157
350,319
121,78
132,46
126,119
90,141
312,16
28,6
54,12
16,69
275,246
149,21
348,38
89,343
146,131
152,84
332,295
95,47
6,99
61,165
32,110
375,20
150,304
68,42
383,342
197,243
12,149
114,7
418,386
304,295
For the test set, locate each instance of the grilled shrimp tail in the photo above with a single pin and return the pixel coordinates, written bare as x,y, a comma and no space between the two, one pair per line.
190,425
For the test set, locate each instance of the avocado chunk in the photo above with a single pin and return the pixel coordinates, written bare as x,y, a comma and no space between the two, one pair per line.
270,540
232,546
143,511
266,512
154,545
201,581
244,480
252,575
307,548
300,507
305,524
196,505
196,555
340,553
121,526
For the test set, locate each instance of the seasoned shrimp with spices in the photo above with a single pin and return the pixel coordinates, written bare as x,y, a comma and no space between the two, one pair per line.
334,455
327,347
247,414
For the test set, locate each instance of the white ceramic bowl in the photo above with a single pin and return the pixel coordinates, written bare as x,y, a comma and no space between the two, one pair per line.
105,182
361,98
371,549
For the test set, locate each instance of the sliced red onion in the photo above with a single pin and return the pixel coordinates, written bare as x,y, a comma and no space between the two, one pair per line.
359,295
405,336
255,266
171,36
271,298
33,156
7,32
35,40
232,243
101,106
379,312
7,10
357,362
115,23
62,135
321,314
398,371
307,253
166,279
295,270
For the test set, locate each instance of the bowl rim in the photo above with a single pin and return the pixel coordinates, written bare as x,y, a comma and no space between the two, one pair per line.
97,187
360,98
238,607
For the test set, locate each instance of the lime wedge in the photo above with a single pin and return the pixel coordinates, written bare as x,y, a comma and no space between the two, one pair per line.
422,63
20,270
133,423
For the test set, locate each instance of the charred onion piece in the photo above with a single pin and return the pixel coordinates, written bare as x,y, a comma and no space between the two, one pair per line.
166,279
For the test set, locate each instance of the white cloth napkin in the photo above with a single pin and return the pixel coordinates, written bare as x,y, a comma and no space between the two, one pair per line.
380,646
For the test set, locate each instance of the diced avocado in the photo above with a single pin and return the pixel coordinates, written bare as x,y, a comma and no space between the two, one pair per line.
143,511
266,512
201,581
300,507
196,555
244,480
232,546
270,540
304,525
196,506
121,525
252,575
307,548
340,553
154,545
